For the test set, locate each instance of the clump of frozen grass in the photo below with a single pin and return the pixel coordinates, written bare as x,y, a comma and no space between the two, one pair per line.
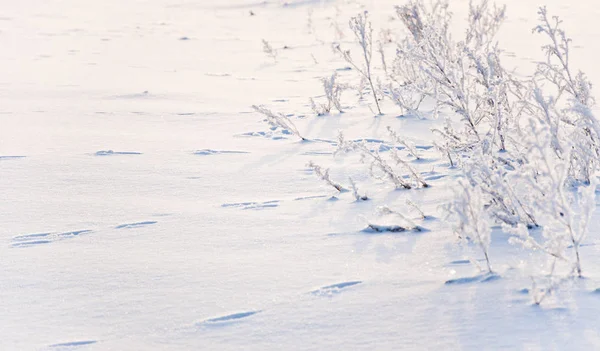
279,121
323,174
363,32
333,90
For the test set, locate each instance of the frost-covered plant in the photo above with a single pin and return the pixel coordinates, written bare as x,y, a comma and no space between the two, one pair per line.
484,23
417,208
528,148
404,96
377,164
323,173
380,168
556,68
355,191
361,87
545,173
385,37
318,108
278,120
410,147
413,174
445,150
416,177
568,113
269,50
551,283
333,92
563,210
471,220
463,77
405,223
408,84
361,27
505,201
417,16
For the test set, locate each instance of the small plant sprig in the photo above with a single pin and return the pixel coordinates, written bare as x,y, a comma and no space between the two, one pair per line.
376,162
355,192
361,27
323,173
279,120
413,205
410,147
414,175
333,92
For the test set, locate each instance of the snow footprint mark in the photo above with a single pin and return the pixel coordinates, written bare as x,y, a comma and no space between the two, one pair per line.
311,197
334,289
31,239
114,153
208,152
435,177
268,135
482,278
34,239
228,319
135,225
459,262
72,344
253,205
317,153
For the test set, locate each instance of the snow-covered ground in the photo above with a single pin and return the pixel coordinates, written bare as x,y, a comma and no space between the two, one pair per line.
145,206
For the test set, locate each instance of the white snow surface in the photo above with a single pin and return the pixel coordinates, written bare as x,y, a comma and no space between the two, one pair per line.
145,206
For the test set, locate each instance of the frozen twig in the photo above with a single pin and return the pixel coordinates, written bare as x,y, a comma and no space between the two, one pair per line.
278,120
355,192
361,27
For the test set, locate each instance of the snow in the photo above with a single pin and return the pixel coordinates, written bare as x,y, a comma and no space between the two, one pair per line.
145,206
